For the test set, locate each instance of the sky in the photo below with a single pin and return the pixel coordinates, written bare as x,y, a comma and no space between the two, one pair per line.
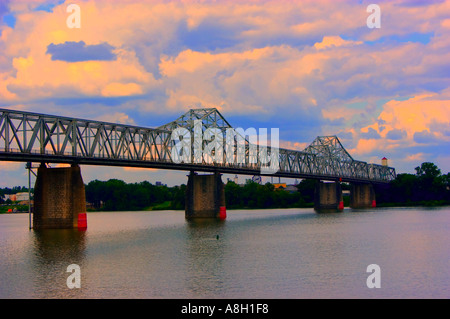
309,68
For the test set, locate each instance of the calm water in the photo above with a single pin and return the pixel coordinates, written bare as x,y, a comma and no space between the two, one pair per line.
293,253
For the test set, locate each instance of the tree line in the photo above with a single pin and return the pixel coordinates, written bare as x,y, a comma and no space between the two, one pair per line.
428,186
116,195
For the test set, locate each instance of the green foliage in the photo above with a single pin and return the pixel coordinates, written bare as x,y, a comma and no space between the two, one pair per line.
17,208
427,187
307,187
10,191
116,195
253,195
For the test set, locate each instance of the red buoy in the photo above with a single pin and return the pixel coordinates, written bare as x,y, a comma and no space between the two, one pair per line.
374,203
223,212
82,221
341,205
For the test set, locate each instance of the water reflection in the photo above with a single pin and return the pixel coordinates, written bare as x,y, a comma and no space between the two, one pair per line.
53,251
292,253
205,256
328,211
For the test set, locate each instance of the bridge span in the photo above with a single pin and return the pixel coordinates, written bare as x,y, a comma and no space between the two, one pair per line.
202,144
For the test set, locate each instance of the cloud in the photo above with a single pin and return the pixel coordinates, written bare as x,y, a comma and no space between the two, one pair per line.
117,117
119,89
396,134
370,134
79,51
424,137
415,158
309,68
416,115
412,130
334,41
365,147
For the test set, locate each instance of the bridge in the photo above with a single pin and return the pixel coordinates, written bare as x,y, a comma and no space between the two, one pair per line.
201,140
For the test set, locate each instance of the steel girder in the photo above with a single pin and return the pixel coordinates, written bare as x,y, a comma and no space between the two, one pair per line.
26,136
30,133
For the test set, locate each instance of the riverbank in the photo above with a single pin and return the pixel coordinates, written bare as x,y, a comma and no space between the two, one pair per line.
430,203
167,205
13,209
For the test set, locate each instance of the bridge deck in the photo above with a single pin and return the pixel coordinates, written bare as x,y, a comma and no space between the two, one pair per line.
33,137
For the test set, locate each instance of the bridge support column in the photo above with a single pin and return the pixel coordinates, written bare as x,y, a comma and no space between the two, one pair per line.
59,197
362,196
328,196
205,196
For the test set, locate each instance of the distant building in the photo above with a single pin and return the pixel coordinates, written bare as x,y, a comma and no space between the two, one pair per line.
384,161
291,189
22,197
160,184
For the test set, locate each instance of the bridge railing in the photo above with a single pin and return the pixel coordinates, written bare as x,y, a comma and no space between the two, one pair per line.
25,136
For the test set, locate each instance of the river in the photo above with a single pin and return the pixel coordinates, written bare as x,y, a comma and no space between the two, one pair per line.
279,253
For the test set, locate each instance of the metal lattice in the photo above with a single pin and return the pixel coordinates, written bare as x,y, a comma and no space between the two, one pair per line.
31,137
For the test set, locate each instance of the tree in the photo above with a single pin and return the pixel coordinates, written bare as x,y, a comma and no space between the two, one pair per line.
178,197
430,183
307,188
233,194
94,193
427,186
428,170
404,189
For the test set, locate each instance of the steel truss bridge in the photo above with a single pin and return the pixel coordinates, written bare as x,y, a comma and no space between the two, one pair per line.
32,137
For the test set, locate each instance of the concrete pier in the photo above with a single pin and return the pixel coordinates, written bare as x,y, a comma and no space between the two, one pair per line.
362,196
328,196
205,195
59,197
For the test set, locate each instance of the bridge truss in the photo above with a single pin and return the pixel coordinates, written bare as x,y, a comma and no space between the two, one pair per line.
32,137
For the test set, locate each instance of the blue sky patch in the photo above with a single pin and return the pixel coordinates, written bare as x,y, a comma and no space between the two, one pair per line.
10,20
48,7
423,38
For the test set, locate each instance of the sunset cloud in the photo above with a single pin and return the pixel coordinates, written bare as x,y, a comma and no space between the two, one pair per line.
308,68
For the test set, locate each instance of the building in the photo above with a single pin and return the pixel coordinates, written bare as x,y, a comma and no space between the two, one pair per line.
291,189
22,197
